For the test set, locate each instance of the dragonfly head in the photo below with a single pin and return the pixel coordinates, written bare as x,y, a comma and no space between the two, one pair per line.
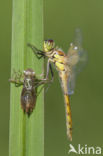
48,45
29,73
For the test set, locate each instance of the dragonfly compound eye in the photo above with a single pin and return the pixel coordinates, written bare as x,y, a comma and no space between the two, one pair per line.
29,72
48,45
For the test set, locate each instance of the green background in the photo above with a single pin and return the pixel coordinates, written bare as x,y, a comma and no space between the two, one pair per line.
60,20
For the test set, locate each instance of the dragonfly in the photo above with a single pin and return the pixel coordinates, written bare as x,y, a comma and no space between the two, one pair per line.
29,92
68,66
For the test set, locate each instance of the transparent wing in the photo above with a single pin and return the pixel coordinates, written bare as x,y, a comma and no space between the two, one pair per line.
71,83
76,59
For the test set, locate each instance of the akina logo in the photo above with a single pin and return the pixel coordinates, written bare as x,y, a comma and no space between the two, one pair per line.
85,149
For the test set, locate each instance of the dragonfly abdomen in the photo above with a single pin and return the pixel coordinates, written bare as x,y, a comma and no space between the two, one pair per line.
63,76
28,100
68,116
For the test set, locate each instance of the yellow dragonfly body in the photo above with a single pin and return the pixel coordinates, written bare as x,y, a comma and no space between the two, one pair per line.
65,65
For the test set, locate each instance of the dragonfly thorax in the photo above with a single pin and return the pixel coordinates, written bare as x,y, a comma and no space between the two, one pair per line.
28,84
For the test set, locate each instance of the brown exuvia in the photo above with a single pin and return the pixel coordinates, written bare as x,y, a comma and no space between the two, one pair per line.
30,84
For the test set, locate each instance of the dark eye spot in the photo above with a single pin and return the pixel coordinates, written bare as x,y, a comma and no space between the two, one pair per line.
50,40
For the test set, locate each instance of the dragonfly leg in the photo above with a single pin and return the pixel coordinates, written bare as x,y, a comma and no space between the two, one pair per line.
38,53
17,78
40,89
41,75
52,74
49,67
17,83
43,82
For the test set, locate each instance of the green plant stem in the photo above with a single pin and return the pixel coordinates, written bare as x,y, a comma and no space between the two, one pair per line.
26,134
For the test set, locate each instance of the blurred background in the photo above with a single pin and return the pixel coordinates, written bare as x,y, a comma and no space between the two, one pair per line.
60,21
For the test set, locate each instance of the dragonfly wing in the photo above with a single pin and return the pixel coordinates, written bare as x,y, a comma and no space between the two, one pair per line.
76,59
72,57
77,56
71,83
